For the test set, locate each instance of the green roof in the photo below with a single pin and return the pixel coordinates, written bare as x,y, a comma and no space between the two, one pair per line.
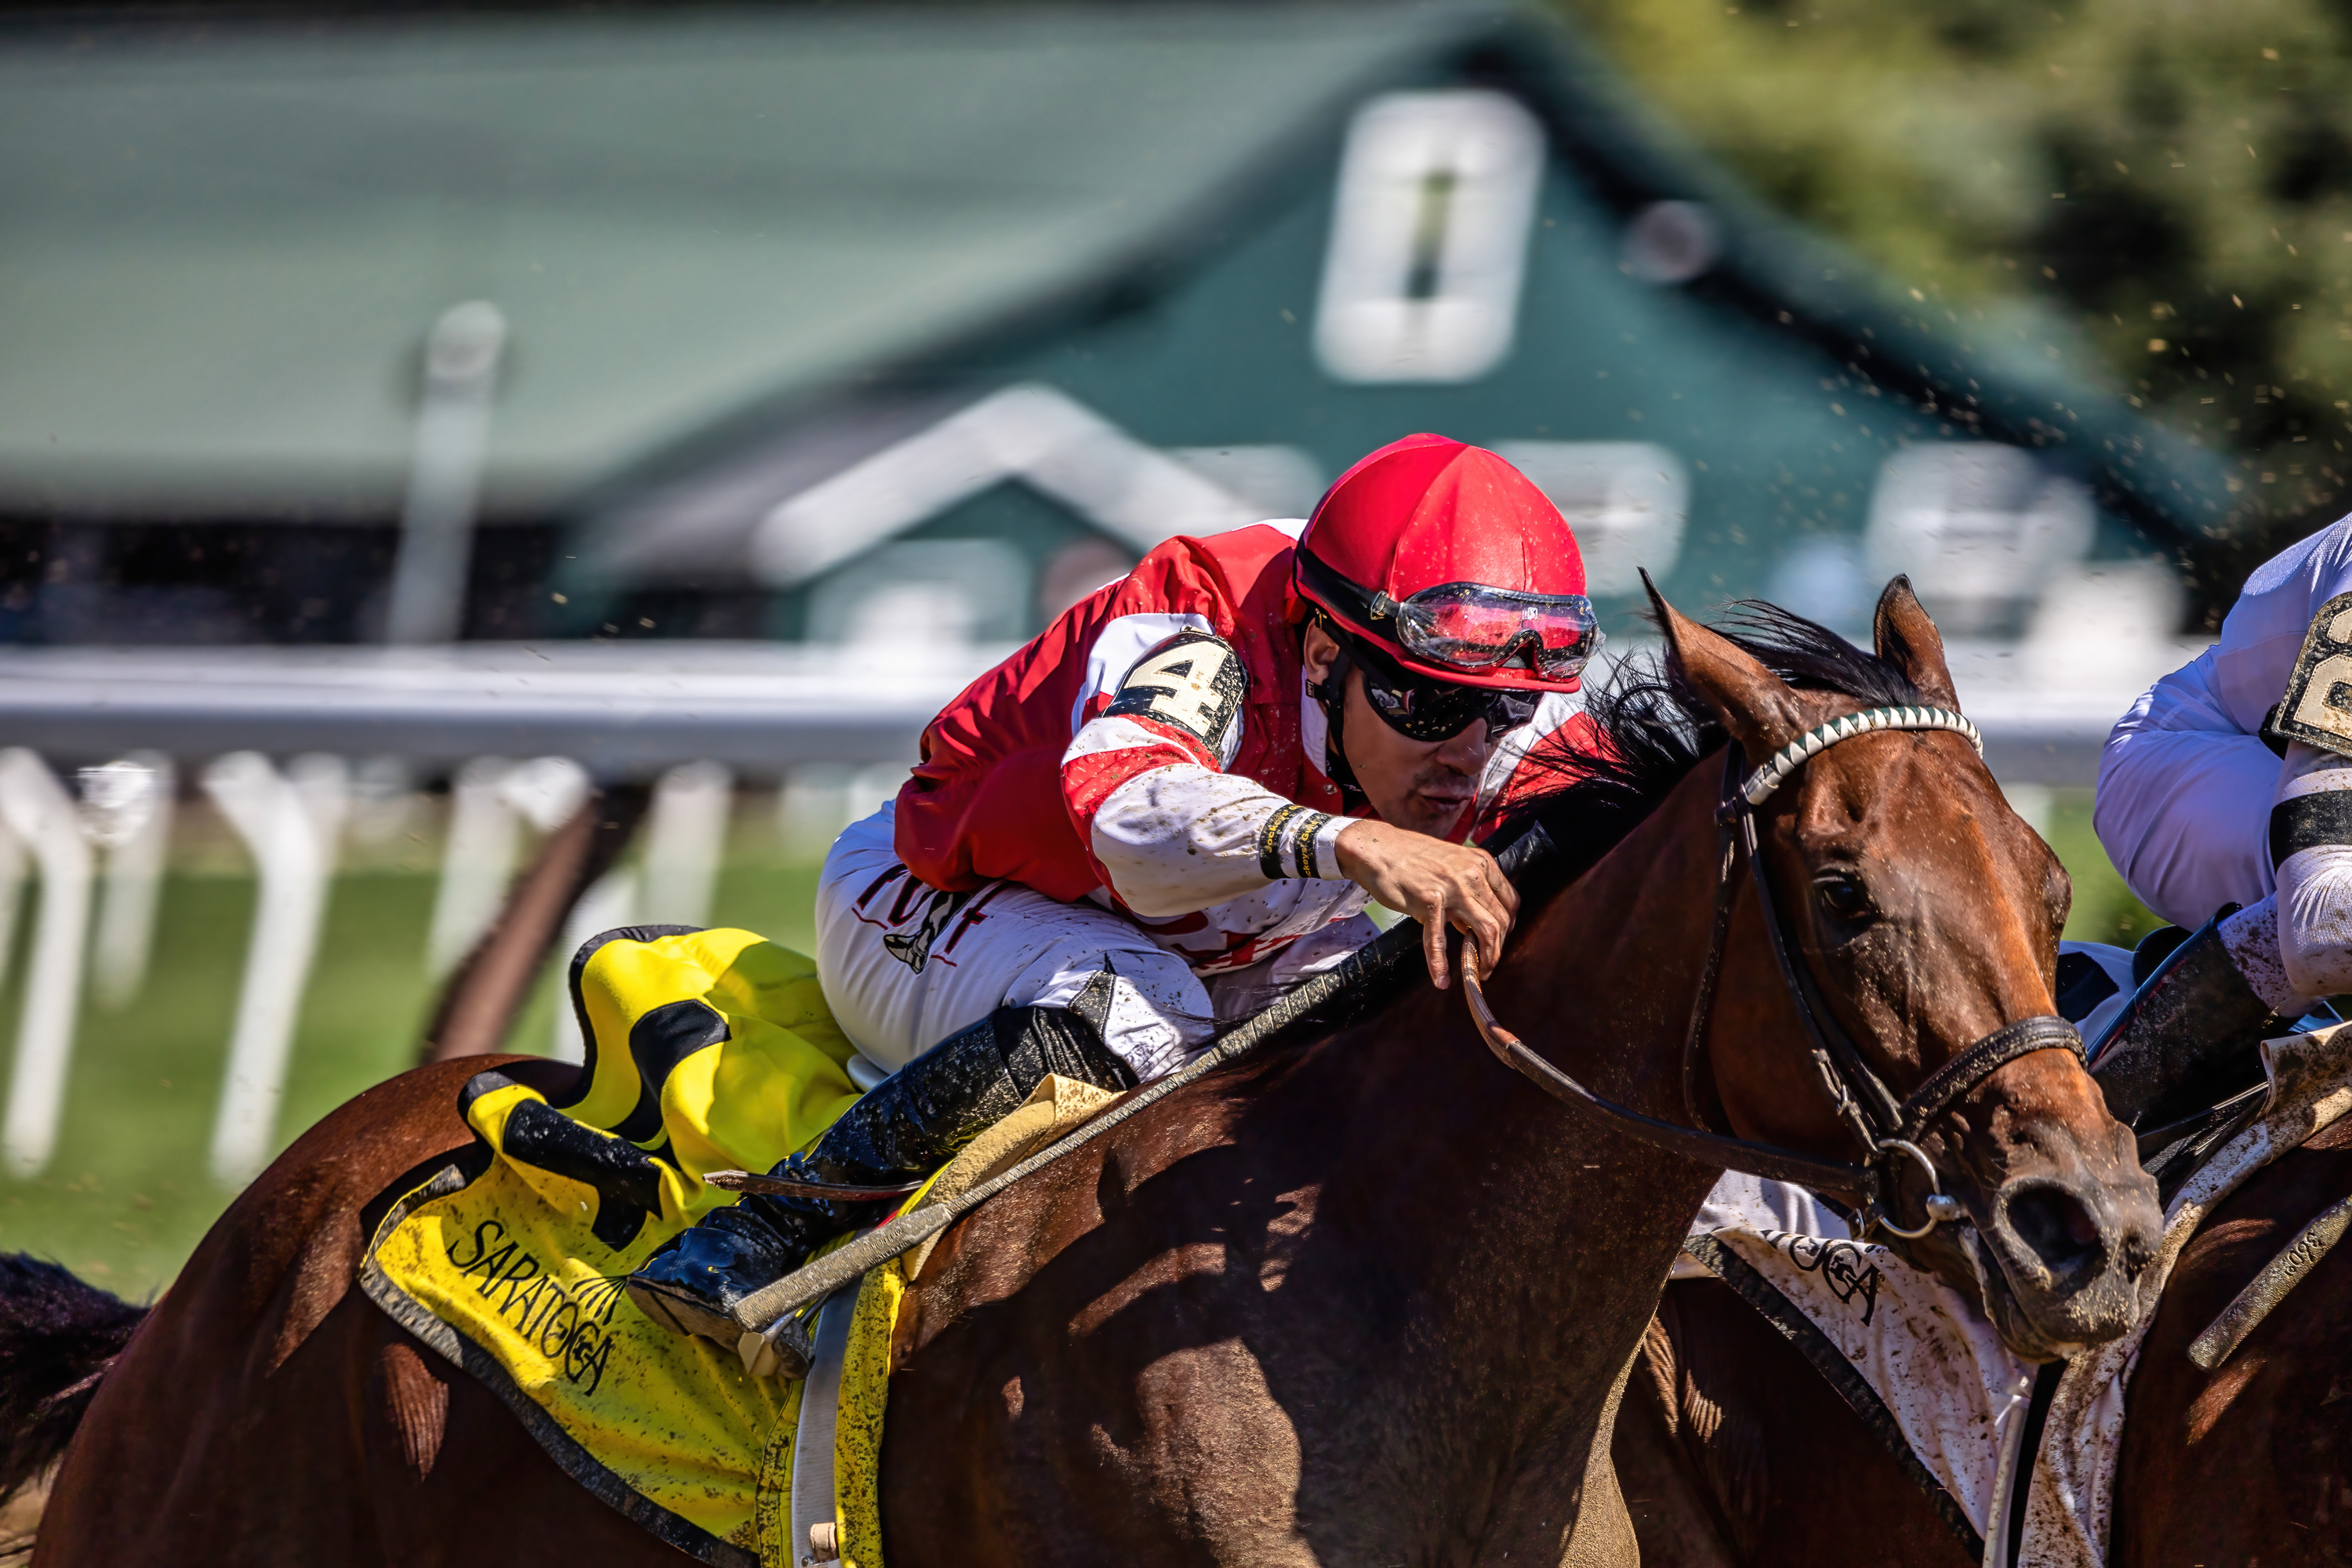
225,242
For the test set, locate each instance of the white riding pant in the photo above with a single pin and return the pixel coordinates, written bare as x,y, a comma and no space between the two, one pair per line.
905,966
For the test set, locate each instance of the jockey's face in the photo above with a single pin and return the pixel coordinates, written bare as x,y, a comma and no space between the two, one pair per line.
1425,785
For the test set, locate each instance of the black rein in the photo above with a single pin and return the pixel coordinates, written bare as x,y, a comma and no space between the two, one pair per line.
1886,1126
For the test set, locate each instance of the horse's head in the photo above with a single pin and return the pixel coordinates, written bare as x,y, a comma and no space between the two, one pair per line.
1926,915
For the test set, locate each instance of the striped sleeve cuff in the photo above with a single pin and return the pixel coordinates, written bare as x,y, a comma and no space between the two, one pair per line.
1297,841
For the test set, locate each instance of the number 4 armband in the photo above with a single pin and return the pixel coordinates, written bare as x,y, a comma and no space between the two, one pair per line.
1193,681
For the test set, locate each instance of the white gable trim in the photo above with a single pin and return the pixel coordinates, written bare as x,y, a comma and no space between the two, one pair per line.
1035,433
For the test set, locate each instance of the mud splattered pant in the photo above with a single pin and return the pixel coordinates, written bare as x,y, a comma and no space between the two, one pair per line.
905,966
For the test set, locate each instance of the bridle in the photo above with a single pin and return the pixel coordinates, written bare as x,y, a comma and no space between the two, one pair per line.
1887,1127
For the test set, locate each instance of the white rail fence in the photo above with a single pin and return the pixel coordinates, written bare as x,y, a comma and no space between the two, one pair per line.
107,833
40,815
269,735
520,732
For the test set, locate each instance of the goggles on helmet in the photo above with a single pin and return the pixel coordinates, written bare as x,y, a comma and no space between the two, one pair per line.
1472,627
1423,710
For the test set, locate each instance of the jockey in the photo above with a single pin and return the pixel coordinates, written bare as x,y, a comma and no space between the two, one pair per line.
2225,798
1174,802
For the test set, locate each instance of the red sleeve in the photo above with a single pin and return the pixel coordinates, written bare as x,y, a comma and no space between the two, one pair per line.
988,800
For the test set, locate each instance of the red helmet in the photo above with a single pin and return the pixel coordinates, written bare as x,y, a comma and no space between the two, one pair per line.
1453,563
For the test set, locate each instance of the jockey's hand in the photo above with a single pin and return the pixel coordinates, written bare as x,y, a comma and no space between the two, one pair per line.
1437,883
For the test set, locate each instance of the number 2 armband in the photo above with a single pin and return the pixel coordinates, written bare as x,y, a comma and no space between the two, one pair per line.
2318,708
1192,682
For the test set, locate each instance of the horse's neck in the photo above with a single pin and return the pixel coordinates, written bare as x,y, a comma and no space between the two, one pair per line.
1535,1240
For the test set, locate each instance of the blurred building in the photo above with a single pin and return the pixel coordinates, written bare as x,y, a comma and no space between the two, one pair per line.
913,326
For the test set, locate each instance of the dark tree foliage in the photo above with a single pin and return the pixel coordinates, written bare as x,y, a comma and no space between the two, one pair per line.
2160,192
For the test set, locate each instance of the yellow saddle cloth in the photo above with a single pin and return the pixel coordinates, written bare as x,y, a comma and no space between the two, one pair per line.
707,1050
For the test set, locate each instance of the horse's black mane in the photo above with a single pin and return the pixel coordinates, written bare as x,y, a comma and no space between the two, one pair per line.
1650,728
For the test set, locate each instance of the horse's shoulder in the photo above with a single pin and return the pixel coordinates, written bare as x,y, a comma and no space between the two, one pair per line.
1129,1211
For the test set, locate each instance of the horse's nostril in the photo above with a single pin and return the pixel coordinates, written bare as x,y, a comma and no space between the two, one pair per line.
2056,1228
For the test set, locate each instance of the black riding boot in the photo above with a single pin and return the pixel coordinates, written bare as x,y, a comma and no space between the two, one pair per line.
2186,1037
912,1124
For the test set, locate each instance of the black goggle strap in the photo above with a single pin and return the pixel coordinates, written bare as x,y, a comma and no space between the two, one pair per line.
1364,609
1349,599
1368,608
1332,693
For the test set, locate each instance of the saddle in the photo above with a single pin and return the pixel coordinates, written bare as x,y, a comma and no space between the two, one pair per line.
707,1051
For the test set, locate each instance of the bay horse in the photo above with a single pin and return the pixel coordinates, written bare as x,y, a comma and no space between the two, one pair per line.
1734,1452
1361,1297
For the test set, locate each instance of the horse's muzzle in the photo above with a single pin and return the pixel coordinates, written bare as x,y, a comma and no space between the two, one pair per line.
2071,1250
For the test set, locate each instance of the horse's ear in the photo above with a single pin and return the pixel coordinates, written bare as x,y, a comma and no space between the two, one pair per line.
1908,640
1758,707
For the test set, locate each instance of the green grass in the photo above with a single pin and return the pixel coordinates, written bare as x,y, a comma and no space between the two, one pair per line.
128,1195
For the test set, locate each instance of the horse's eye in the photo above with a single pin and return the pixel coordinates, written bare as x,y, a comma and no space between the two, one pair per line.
1843,894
